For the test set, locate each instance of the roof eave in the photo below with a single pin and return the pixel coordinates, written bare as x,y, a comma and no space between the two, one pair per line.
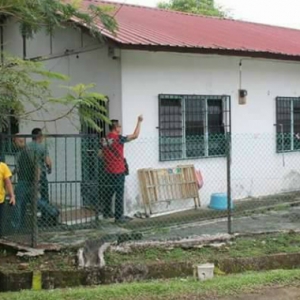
214,51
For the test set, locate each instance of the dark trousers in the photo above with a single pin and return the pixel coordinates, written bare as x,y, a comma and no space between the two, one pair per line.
98,202
114,185
24,195
44,189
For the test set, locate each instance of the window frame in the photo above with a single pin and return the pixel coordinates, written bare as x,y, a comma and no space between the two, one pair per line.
279,131
226,124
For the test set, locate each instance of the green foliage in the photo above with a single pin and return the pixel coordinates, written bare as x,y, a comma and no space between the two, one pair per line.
90,105
200,7
25,89
34,15
25,86
24,83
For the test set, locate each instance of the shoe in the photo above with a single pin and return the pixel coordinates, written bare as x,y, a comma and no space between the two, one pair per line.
123,219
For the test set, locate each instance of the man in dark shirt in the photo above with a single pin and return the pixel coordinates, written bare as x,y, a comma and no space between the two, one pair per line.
26,189
115,168
40,148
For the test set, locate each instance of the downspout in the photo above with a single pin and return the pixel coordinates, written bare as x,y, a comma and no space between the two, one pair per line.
24,47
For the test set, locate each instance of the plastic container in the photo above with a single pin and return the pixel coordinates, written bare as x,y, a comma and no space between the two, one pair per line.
218,201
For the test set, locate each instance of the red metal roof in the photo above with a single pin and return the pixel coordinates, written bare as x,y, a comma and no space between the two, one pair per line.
151,27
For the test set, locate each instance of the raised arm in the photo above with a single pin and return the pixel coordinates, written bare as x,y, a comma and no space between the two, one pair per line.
137,130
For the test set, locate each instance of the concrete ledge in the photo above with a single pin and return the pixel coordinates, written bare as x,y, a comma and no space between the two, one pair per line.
130,273
270,262
13,282
67,279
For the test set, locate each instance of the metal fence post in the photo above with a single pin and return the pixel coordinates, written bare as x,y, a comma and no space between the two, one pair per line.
228,156
34,233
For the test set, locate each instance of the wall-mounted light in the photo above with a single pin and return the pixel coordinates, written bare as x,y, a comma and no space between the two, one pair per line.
243,97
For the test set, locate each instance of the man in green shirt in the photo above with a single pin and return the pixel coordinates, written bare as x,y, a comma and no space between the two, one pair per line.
43,159
27,171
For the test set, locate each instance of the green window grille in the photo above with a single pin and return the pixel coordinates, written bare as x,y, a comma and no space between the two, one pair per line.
287,124
192,126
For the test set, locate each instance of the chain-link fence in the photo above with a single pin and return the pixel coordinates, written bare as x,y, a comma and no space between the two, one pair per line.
72,182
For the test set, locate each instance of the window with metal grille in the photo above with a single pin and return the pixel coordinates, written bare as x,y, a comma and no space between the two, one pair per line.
287,124
9,127
192,126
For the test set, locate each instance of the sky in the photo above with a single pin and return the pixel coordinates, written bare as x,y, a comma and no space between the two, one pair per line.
274,12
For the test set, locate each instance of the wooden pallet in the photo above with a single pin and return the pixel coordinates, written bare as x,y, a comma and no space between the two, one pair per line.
164,185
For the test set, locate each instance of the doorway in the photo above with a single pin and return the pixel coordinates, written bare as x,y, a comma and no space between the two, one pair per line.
91,164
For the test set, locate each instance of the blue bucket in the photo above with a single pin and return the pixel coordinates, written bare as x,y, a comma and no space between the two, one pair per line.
218,201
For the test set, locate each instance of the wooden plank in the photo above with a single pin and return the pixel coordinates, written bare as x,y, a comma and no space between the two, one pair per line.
142,184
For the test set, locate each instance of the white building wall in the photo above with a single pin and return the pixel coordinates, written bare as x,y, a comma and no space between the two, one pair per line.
91,64
256,167
138,78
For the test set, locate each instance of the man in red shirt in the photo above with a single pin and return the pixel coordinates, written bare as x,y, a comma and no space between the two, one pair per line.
116,168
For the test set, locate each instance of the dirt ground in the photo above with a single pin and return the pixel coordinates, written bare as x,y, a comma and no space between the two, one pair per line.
288,293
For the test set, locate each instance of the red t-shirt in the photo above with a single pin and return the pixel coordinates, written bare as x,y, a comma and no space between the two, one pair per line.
113,153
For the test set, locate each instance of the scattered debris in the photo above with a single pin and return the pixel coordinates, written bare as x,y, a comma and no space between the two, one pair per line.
31,253
187,243
217,245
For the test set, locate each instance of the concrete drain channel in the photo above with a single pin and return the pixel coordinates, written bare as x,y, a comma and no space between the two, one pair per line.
38,280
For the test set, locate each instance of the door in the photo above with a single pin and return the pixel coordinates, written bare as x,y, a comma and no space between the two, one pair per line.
91,164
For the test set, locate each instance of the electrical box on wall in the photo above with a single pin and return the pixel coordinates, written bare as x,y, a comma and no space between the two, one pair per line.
243,97
114,53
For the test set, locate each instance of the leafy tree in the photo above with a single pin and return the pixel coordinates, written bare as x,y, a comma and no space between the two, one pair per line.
201,7
33,15
25,89
25,86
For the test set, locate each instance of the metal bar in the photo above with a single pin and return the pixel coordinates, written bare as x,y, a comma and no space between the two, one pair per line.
66,160
67,53
206,146
228,156
34,232
292,125
56,170
76,173
55,135
183,125
282,144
